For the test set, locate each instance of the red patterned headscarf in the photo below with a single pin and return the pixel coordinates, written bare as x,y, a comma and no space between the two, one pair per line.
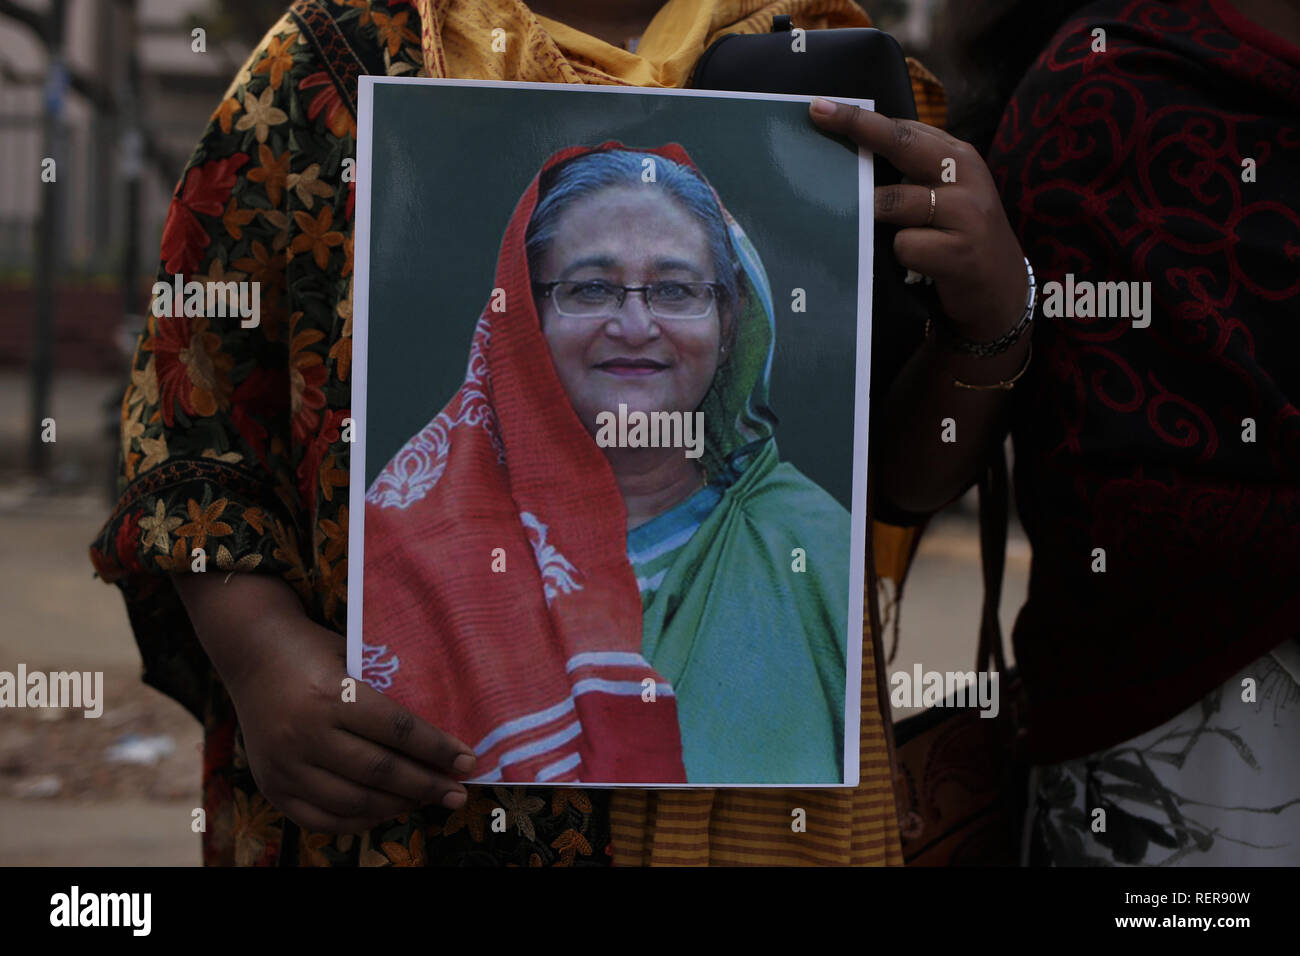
537,667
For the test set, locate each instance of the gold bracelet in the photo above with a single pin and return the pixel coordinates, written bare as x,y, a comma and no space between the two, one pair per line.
1000,386
1006,386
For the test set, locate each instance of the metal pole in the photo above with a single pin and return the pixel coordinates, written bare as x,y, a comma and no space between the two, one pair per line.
131,168
47,240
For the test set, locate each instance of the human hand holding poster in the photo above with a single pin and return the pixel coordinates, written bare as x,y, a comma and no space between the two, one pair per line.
593,551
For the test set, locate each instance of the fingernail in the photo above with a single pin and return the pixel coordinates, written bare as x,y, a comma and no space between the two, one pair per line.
455,800
822,106
464,763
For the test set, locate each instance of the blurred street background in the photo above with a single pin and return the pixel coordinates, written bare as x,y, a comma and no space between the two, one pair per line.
114,91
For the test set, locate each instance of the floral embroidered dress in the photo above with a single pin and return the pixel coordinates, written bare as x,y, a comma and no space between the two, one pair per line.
231,437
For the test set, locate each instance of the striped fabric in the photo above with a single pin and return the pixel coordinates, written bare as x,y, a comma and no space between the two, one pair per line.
654,546
543,740
855,827
931,98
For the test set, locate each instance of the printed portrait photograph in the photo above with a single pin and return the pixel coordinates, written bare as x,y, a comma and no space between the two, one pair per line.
608,477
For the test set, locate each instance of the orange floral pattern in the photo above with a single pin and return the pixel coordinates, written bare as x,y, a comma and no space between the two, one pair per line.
232,440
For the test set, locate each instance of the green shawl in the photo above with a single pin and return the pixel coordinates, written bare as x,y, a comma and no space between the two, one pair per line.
755,649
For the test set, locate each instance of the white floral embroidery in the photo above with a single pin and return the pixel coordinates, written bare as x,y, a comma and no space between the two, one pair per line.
416,468
376,670
557,571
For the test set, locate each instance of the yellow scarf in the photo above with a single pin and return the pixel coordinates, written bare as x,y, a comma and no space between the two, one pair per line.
457,41
857,827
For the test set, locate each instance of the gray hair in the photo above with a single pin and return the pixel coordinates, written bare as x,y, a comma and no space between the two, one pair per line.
565,184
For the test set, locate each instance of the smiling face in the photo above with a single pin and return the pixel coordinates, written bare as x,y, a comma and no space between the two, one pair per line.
631,236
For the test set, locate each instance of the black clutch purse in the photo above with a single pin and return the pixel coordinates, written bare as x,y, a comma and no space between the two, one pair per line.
853,63
849,63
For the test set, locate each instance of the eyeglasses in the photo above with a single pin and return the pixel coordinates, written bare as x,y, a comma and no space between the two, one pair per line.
595,298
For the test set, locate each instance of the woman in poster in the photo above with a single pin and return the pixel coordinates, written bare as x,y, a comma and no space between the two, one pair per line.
615,614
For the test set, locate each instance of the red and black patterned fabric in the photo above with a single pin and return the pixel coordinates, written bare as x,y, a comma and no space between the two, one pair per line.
1128,164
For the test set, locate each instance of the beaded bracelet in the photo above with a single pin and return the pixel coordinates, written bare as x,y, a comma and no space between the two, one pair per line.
1002,342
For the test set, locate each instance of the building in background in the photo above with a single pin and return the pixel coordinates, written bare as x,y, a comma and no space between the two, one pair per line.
110,130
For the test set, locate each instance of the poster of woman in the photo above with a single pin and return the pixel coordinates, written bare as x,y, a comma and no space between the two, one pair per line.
609,407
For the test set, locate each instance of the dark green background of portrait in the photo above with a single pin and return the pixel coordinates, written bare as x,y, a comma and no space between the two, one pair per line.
450,163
